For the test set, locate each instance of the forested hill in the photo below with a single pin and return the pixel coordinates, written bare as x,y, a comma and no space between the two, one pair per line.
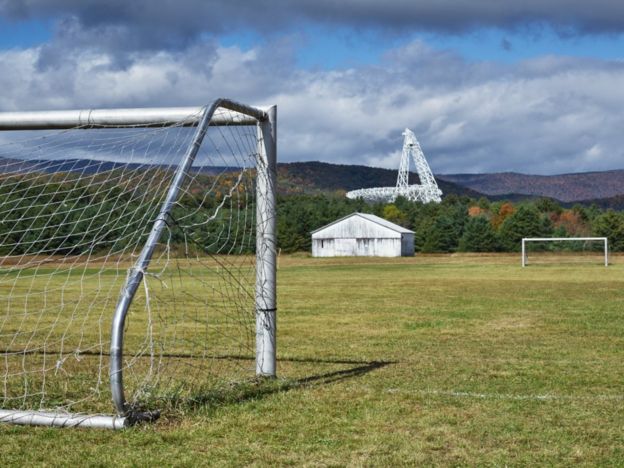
319,177
605,189
293,178
565,187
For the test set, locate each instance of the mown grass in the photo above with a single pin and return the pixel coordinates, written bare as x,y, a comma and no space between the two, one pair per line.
449,360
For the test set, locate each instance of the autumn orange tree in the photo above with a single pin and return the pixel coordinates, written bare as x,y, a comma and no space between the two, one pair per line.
505,211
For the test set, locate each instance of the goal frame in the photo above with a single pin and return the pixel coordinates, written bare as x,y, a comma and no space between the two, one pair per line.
265,119
525,259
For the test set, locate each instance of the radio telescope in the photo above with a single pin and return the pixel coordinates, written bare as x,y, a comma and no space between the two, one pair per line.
427,191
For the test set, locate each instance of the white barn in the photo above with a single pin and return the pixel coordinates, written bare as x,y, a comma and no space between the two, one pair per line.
362,235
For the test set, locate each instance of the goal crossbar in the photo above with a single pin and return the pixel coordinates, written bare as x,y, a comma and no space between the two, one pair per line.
265,291
141,117
558,239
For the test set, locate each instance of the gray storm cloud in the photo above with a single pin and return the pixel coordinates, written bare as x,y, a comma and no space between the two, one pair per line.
180,20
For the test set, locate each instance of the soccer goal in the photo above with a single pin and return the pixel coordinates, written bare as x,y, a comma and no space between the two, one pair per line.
583,242
137,260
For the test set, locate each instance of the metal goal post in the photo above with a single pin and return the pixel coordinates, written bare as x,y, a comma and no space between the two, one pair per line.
265,119
525,259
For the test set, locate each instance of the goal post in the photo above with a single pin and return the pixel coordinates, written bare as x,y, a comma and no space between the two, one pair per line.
185,207
526,240
266,247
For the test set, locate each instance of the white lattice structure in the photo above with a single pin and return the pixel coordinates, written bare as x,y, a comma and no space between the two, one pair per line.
427,191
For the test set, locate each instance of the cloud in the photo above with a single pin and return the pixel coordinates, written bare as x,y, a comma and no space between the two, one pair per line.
546,115
178,21
125,30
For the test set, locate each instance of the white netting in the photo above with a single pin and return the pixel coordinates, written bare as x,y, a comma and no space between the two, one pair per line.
76,207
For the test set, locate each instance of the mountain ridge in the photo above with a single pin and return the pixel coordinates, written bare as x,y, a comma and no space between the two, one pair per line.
568,187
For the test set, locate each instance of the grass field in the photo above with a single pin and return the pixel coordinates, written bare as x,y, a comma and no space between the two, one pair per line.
450,360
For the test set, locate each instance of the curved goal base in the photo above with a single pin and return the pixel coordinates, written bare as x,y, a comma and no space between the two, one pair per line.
42,418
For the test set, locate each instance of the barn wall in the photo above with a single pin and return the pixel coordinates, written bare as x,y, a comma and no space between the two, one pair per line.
407,245
358,247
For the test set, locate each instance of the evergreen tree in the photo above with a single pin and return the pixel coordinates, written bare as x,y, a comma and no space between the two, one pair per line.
440,235
483,203
610,225
525,222
478,236
459,217
427,237
548,205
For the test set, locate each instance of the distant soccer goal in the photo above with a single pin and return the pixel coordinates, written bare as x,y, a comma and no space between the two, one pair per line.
137,260
582,244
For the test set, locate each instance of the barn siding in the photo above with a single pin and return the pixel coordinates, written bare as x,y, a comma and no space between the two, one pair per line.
357,247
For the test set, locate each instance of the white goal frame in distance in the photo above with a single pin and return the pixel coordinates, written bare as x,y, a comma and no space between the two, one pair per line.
265,119
556,239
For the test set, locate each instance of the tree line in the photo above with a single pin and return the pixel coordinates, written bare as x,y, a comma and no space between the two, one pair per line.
59,216
458,224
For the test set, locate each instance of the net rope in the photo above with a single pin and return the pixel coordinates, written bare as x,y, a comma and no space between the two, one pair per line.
76,207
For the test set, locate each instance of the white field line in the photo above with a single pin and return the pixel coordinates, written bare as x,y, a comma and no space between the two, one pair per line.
511,360
504,396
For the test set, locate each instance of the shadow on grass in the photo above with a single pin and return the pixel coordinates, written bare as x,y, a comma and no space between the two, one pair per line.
178,401
361,368
258,388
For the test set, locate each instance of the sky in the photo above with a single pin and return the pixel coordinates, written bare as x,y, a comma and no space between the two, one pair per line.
486,85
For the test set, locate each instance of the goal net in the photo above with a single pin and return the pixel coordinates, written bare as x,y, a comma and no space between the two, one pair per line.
565,250
136,260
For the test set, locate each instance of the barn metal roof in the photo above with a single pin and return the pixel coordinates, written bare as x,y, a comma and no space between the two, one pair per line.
372,218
